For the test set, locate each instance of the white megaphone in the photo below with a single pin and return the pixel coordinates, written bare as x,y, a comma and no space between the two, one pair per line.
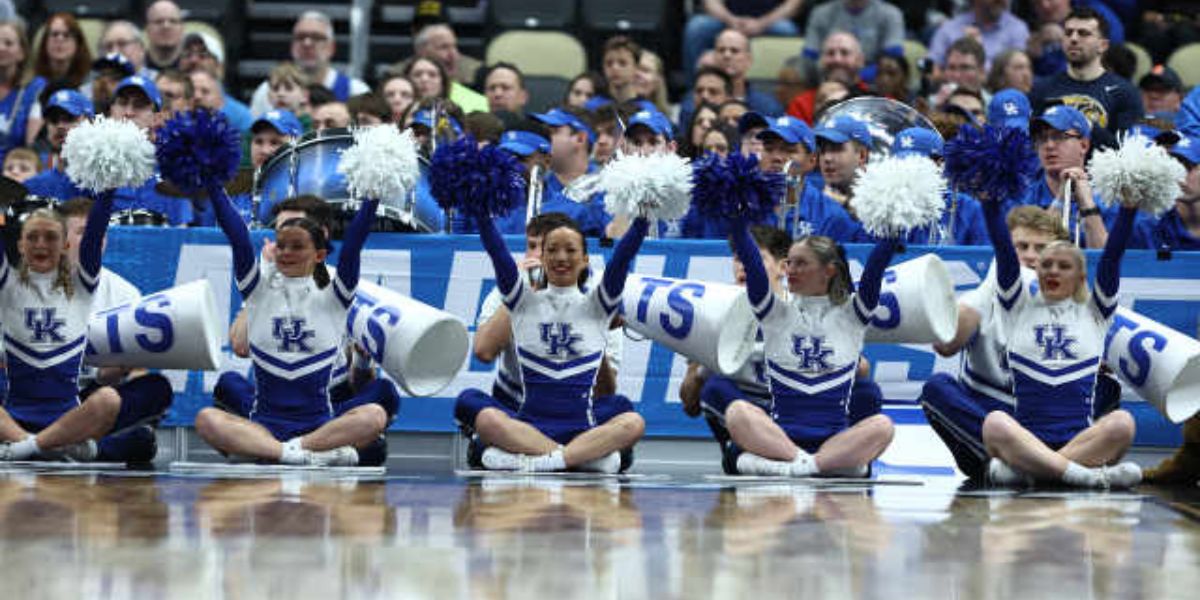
916,304
1159,363
710,323
172,329
420,347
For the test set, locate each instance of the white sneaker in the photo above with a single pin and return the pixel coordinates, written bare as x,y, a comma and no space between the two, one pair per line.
1122,476
495,459
609,463
753,464
1000,474
7,454
344,456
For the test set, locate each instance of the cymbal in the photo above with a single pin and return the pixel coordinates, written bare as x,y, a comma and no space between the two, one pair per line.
11,191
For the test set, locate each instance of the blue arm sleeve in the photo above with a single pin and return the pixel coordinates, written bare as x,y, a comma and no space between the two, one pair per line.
239,238
758,287
91,246
1108,271
352,245
872,277
1008,268
502,260
618,266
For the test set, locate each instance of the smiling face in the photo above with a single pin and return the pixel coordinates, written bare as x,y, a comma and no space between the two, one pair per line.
564,256
806,274
42,244
295,253
1060,272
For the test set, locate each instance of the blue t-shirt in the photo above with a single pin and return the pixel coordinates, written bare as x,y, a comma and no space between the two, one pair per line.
14,114
1168,232
238,114
969,226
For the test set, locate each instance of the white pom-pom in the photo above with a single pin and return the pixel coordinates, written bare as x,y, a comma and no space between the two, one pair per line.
381,164
895,195
659,185
1139,173
104,154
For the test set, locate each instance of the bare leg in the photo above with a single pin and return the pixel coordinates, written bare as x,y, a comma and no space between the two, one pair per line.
857,446
1007,440
232,434
9,430
1104,443
359,428
619,433
497,429
88,421
756,433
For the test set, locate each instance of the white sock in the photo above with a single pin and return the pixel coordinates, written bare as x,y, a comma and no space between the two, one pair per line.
553,461
1001,473
1081,476
609,463
752,464
293,453
26,448
496,459
803,465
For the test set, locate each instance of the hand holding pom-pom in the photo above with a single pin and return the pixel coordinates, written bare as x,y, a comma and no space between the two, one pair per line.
382,163
105,154
898,194
734,189
484,183
198,150
1140,174
993,164
658,185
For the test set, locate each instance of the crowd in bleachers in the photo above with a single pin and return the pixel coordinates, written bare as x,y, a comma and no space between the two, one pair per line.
1076,75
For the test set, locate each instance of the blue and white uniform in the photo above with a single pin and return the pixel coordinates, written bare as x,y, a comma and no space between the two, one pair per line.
811,346
559,337
296,329
1055,348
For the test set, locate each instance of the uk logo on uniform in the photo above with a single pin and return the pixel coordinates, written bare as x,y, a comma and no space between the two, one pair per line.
43,325
813,356
291,334
559,339
1055,343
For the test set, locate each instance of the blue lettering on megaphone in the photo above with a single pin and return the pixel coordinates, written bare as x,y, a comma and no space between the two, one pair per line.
891,320
652,284
146,316
677,303
1135,348
373,338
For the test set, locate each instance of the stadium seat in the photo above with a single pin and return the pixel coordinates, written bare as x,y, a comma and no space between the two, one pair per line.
1143,60
914,51
532,14
618,16
1185,60
770,54
539,53
545,91
96,9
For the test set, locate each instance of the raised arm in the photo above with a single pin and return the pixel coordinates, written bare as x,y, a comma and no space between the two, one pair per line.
867,297
91,246
758,285
617,268
1108,271
245,264
507,276
1008,267
352,245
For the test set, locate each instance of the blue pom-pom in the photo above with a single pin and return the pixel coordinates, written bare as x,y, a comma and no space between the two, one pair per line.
483,182
735,188
995,163
198,149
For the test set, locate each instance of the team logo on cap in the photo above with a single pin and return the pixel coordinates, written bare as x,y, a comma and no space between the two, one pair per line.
782,121
137,80
62,96
510,136
1184,143
906,142
1010,109
274,114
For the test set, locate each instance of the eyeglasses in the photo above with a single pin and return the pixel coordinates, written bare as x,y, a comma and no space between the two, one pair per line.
60,35
1055,136
117,45
166,22
311,38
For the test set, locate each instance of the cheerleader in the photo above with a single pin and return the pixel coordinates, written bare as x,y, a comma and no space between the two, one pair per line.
296,326
811,349
559,336
1055,342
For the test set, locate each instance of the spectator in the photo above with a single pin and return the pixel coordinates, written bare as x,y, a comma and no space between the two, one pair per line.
124,38
429,125
331,115
504,86
829,93
210,94
63,55
64,110
1179,228
583,88
108,71
313,46
177,92
438,41
843,148
605,125
1062,138
891,78
750,17
748,128
368,109
1045,46
712,86
1011,69
1109,102
621,57
719,140
964,69
1167,25
989,22
788,147
202,52
136,99
794,78
428,76
1162,92
878,26
967,102
571,140
21,164
730,112
732,50
18,92
164,31
399,93
841,61
1009,108
486,128
649,82
704,118
268,134
289,90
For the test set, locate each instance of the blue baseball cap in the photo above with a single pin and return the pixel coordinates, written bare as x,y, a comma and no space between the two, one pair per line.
1010,108
425,117
844,128
1064,118
654,121
918,141
116,61
596,103
749,121
558,117
1187,148
281,120
72,102
524,143
1150,132
791,130
146,86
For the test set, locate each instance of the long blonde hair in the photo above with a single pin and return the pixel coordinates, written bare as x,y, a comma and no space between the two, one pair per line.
63,279
829,252
1081,291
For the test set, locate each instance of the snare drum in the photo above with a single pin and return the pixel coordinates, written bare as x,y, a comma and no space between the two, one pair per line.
310,167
